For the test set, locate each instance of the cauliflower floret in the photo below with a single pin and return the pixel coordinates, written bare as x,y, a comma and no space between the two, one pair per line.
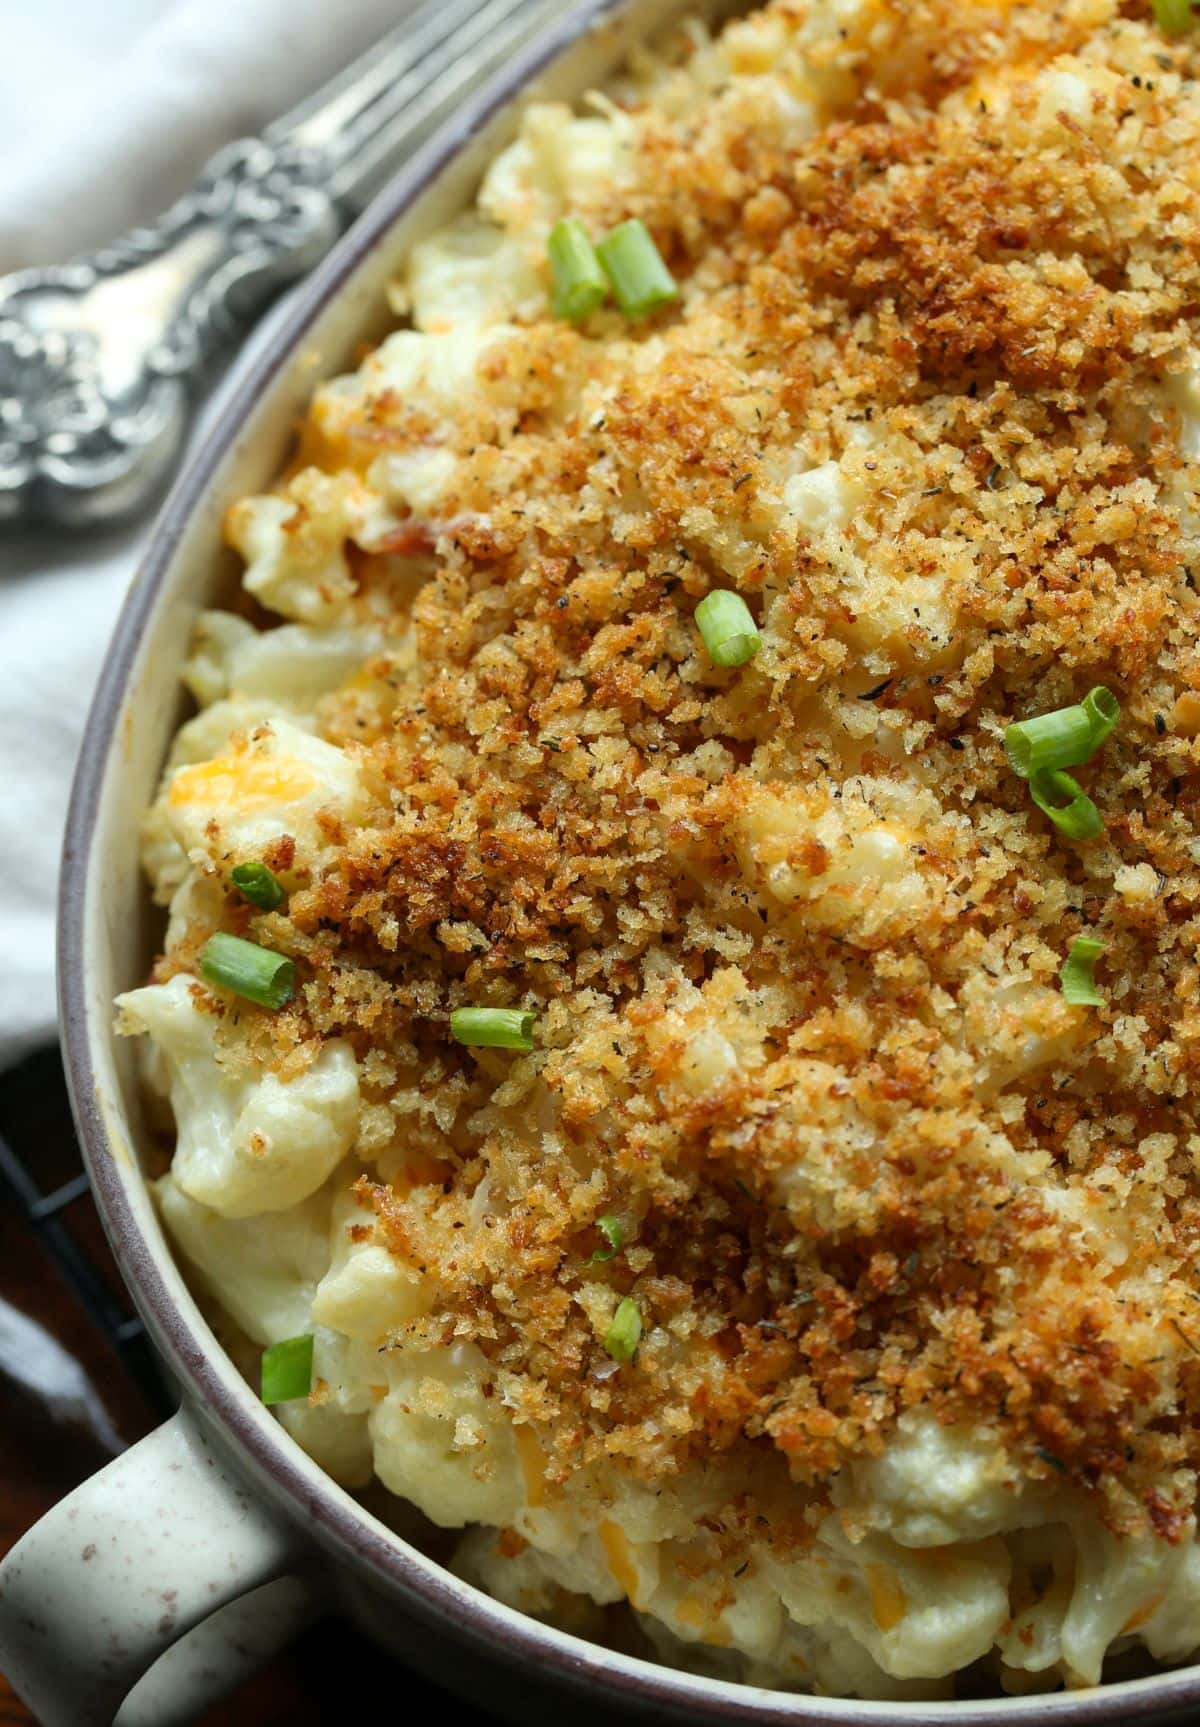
560,160
295,545
444,371
1117,1581
935,1485
163,858
472,272
847,866
274,781
418,479
368,1291
265,1273
291,667
442,1443
920,1614
215,642
1184,393
822,499
246,1144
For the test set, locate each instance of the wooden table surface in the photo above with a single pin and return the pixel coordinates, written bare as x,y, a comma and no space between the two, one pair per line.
42,1456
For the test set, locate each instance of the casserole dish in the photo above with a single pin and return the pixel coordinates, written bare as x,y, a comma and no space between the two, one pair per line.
220,1511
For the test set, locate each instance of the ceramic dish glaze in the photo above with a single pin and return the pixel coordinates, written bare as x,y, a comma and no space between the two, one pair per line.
216,1538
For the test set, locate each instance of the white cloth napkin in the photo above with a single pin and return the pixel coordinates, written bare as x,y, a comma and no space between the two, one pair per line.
107,111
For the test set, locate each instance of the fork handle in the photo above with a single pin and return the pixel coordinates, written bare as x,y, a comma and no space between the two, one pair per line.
101,358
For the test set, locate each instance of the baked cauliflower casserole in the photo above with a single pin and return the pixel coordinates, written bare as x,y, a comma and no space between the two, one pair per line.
701,1094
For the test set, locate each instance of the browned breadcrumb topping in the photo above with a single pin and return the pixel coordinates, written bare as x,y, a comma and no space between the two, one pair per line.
922,1180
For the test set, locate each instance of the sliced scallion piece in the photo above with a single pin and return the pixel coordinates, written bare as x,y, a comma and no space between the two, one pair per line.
1063,738
257,884
580,285
1173,17
287,1370
1066,803
633,264
248,970
1077,976
625,1332
493,1027
610,1228
728,628
1104,710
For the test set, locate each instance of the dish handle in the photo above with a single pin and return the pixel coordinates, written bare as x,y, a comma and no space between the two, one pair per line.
157,1545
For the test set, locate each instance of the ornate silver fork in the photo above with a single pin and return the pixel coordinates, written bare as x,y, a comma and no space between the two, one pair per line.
100,359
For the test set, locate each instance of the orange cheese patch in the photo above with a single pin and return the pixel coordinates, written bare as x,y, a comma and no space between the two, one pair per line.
888,1604
247,782
620,1559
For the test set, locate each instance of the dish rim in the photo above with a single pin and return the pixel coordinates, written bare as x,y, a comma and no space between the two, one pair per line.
264,1451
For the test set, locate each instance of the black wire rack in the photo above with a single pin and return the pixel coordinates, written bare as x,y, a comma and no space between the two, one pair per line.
47,1215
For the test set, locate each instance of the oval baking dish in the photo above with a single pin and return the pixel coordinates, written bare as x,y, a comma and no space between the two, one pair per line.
221,1510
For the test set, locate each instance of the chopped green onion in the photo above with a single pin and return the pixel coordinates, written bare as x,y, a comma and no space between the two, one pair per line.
1066,803
493,1027
730,633
634,266
1173,17
248,970
287,1370
1064,738
256,883
1104,710
610,1228
1077,975
625,1332
580,285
